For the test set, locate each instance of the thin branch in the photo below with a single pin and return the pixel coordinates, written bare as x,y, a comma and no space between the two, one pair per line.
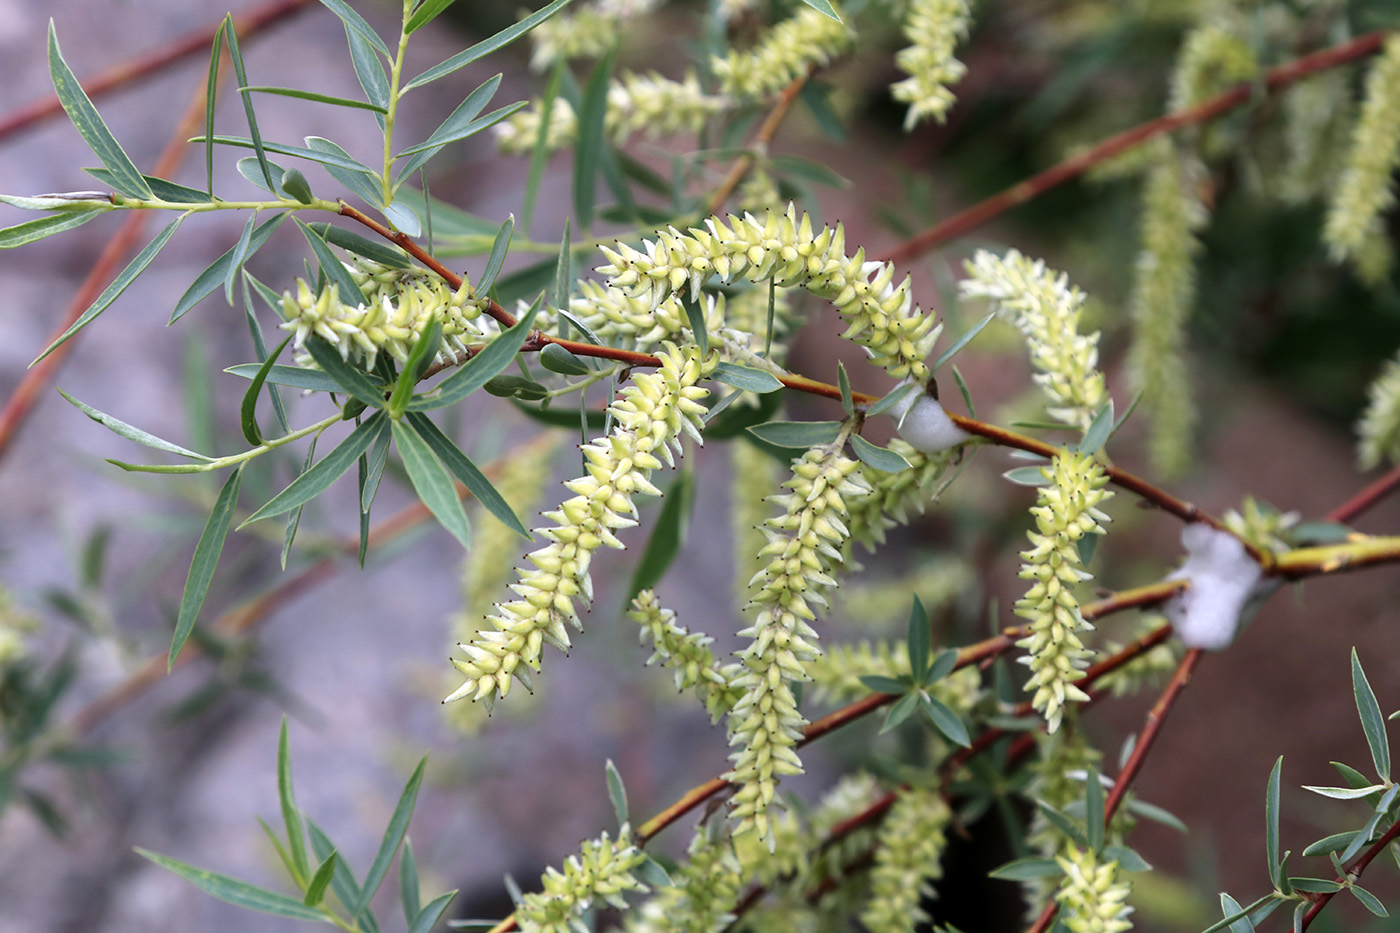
759,145
1366,498
1276,79
1155,717
143,66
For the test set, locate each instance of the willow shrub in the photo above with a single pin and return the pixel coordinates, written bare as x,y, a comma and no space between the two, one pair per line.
678,336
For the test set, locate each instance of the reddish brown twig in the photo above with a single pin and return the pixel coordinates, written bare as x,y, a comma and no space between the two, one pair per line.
1276,79
143,66
759,144
1155,717
1366,498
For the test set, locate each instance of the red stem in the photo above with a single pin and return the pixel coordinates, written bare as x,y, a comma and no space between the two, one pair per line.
1354,872
144,66
1276,79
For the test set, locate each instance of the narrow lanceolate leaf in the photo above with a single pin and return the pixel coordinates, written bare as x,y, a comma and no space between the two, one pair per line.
1094,808
876,457
393,835
1096,435
112,292
421,156
1371,719
206,559
425,14
316,888
696,318
1271,823
484,47
962,341
347,377
1027,869
476,371
668,536
408,882
238,257
312,96
797,434
824,7
750,380
382,253
944,719
1345,793
335,271
919,639
1371,902
236,59
369,69
896,396
843,382
432,482
563,273
432,912
291,816
99,139
466,472
331,467
617,793
239,893
356,22
424,349
451,128
499,247
592,140
211,95
294,377
31,230
131,433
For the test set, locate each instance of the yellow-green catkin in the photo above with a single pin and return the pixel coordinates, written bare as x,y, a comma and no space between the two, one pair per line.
399,307
650,417
787,250
806,39
908,859
1064,757
933,29
1317,121
1093,898
1164,290
804,546
1066,510
1365,191
1046,309
484,573
599,874
705,889
687,653
583,31
1378,431
649,104
754,475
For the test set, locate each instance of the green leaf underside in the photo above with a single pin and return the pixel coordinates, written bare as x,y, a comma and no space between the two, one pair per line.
1271,846
90,127
432,482
557,359
131,433
431,913
239,893
617,792
355,21
286,798
294,377
498,256
797,434
331,467
880,458
824,7
112,292
205,561
1027,869
1371,719
333,159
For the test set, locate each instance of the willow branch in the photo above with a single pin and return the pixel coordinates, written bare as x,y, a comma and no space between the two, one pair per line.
1366,498
1275,80
143,66
759,145
1353,872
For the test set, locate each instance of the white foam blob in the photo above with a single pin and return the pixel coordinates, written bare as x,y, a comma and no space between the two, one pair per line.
1223,578
924,425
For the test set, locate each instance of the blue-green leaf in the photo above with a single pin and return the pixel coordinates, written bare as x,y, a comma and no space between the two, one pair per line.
217,271
1333,843
408,882
369,69
1027,869
393,835
331,467
1271,847
295,377
499,248
1096,434
902,709
1368,900
556,359
962,341
32,230
797,434
131,433
313,96
432,482
348,378
461,466
432,912
825,8
944,719
112,292
918,639
750,380
78,106
486,46
335,271
206,559
1371,719
381,253
238,257
424,349
316,888
617,793
474,373
876,457
1093,808
451,129
354,175
425,14
896,395
291,816
239,893
236,59
355,21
